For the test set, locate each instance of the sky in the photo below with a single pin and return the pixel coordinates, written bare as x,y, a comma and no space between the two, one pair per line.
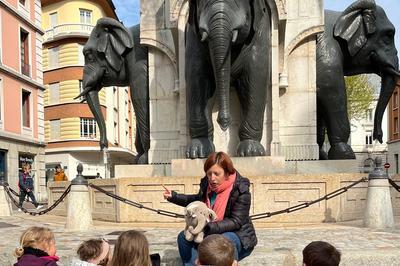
128,12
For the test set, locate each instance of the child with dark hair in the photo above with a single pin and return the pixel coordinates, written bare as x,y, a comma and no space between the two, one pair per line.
93,252
320,253
216,250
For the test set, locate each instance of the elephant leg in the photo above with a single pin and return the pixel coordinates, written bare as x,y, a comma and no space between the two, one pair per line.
321,129
140,100
333,99
200,87
252,89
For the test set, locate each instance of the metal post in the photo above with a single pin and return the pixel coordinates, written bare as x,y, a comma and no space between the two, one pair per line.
379,211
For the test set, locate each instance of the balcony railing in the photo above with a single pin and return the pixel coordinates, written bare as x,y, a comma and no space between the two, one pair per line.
66,30
25,69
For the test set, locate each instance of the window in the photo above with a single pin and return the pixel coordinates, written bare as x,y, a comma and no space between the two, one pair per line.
26,114
53,57
81,57
24,41
22,2
368,139
85,16
115,132
369,115
396,125
395,100
88,128
396,161
53,19
55,129
54,92
1,103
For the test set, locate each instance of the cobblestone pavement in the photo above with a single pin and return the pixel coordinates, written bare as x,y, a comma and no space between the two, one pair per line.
279,244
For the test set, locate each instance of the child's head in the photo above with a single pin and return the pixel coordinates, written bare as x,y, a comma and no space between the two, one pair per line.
216,250
131,249
38,238
95,251
320,253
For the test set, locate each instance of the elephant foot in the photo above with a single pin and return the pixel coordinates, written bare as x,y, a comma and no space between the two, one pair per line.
249,147
143,158
341,151
200,148
322,154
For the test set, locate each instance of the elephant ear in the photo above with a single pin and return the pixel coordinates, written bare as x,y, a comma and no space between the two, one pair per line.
114,41
212,216
259,9
355,24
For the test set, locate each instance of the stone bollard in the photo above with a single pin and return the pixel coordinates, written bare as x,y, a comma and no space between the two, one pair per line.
79,211
5,205
379,211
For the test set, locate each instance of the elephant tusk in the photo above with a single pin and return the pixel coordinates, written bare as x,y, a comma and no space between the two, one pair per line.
204,36
234,36
83,92
392,71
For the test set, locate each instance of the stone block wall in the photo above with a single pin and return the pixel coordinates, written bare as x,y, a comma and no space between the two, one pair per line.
269,193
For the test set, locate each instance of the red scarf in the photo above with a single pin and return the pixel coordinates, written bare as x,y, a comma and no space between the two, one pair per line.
223,191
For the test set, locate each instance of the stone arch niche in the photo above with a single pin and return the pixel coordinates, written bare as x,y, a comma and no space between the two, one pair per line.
293,28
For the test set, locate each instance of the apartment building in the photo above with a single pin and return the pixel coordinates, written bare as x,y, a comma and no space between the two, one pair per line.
71,133
394,134
21,92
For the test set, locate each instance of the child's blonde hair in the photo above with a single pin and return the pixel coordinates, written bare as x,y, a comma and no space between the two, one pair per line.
34,237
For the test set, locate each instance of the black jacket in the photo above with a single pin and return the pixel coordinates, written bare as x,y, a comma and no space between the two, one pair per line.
236,218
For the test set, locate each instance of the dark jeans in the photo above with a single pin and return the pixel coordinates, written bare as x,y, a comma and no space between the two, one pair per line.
22,194
188,250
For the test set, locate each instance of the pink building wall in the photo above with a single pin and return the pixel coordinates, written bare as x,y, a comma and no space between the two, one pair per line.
11,58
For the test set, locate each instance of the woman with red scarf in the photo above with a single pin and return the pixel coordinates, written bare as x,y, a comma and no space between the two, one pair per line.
226,192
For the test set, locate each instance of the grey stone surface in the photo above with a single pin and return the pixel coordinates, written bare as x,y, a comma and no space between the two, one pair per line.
278,245
379,210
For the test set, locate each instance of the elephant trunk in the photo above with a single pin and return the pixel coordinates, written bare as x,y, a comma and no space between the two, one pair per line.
92,98
387,88
220,38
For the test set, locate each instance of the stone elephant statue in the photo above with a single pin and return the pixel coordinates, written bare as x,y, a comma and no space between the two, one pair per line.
358,40
227,43
114,57
197,215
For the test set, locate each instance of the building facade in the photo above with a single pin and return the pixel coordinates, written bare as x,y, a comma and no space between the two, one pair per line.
21,92
361,138
394,135
71,132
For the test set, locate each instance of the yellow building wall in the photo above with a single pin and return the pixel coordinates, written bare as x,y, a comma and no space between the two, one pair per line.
68,12
67,56
69,129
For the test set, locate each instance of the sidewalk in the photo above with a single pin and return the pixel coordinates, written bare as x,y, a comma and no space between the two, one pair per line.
280,244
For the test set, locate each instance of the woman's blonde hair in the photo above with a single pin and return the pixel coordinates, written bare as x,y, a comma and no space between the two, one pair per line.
131,249
34,237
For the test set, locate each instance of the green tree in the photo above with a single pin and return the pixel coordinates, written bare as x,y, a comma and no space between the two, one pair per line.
360,95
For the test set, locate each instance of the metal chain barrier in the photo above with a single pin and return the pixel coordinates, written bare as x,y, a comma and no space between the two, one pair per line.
135,204
394,185
252,217
307,204
16,203
17,194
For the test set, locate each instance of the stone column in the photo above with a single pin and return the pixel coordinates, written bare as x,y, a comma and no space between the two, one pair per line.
5,206
379,211
79,211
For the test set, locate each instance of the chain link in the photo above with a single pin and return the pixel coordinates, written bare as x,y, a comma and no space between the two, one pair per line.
307,204
137,205
394,185
9,193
